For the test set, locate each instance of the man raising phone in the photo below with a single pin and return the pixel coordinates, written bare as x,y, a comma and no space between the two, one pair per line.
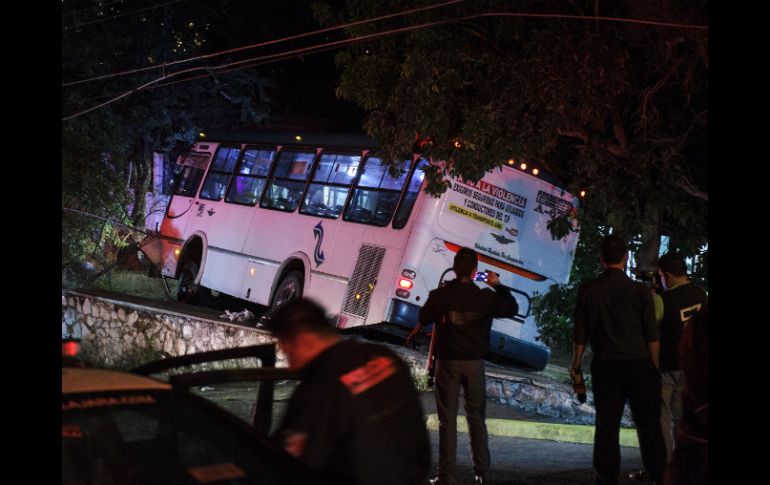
462,315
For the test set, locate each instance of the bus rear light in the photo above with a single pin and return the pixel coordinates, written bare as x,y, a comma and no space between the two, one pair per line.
402,293
177,251
405,284
408,273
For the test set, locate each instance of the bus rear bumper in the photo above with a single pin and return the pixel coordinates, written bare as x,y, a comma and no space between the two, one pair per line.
528,353
403,313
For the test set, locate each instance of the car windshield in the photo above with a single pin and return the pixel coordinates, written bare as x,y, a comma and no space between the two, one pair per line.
163,437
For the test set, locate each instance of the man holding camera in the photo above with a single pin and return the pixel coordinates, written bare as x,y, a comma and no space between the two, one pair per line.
462,315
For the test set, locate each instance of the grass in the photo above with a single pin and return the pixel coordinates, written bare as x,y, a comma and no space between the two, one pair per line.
136,284
560,363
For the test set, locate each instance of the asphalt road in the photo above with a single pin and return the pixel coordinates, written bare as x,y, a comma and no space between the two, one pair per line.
514,460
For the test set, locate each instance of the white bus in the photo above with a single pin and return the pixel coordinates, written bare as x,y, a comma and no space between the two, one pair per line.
267,217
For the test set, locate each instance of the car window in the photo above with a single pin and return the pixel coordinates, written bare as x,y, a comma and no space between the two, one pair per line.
164,437
238,398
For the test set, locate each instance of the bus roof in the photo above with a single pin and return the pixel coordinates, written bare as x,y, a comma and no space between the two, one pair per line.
336,140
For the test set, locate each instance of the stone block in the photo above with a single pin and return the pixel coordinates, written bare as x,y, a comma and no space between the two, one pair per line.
104,312
567,411
70,317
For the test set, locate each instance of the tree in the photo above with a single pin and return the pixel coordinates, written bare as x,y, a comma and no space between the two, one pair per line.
106,150
618,109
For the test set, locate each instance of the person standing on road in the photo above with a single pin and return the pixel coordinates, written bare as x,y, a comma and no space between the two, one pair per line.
689,461
616,315
356,414
462,315
681,301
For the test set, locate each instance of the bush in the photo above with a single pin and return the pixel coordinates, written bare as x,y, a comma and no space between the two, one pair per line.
136,284
553,316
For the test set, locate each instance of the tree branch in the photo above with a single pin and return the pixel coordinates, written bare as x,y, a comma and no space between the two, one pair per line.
688,186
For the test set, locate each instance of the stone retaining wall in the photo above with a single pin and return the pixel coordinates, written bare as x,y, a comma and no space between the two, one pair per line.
121,334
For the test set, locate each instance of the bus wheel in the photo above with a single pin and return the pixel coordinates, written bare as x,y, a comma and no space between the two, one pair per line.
188,290
290,288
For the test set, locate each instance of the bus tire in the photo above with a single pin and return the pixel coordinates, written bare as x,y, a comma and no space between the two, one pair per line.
290,288
187,292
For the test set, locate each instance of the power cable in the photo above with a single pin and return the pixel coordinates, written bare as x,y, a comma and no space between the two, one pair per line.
329,45
263,44
122,14
73,12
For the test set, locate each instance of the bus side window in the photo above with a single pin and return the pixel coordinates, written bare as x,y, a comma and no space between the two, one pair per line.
412,191
219,174
189,179
329,189
251,176
376,194
284,190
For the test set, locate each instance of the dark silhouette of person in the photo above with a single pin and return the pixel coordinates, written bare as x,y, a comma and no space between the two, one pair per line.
616,315
681,300
689,461
462,315
356,414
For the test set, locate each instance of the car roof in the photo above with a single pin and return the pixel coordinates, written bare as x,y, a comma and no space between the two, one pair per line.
75,380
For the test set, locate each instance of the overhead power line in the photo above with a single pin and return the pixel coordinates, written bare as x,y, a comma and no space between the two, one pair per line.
93,7
104,19
336,44
263,44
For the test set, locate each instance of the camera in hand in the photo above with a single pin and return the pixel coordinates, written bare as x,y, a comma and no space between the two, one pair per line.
652,280
482,276
579,385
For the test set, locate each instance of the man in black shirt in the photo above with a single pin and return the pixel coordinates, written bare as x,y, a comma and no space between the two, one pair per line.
616,315
681,301
462,313
356,414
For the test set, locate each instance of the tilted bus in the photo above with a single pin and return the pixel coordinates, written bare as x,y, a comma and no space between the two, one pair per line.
267,217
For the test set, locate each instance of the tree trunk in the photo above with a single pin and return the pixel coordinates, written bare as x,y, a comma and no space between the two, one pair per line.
143,167
647,257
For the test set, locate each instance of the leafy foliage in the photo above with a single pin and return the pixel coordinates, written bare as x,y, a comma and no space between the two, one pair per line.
107,153
553,313
616,108
619,109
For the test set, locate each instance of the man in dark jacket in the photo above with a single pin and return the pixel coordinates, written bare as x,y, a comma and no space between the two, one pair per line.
463,313
616,315
356,414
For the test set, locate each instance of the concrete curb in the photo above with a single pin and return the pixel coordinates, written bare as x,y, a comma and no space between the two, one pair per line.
570,433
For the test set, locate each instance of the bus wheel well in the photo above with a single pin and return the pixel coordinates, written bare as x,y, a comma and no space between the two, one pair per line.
293,266
192,252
